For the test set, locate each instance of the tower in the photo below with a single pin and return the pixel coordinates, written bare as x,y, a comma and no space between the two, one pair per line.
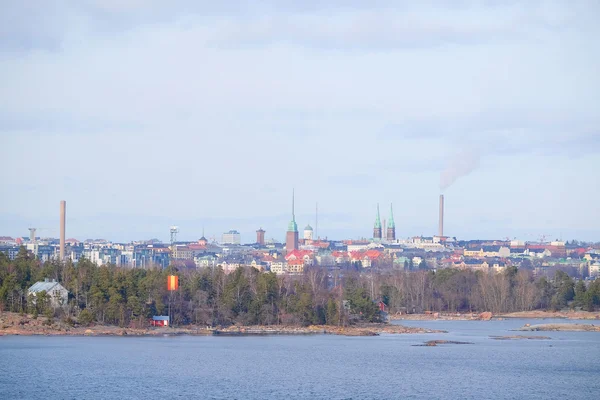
203,241
32,235
174,231
63,222
308,232
391,228
260,237
291,238
377,227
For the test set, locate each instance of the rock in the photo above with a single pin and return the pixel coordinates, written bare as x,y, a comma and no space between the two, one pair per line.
520,337
88,332
436,342
485,316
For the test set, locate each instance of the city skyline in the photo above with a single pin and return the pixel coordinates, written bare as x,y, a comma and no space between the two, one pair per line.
187,231
206,115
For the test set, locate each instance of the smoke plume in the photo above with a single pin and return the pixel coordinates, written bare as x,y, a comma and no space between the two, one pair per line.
462,164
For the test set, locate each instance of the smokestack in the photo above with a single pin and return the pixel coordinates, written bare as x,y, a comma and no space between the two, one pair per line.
63,214
441,223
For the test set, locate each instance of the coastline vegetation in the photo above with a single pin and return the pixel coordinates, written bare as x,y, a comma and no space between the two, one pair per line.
208,297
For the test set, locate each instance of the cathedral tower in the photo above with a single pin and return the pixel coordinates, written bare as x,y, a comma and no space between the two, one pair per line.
377,227
291,238
391,228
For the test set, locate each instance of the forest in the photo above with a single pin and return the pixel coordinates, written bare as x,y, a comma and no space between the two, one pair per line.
131,296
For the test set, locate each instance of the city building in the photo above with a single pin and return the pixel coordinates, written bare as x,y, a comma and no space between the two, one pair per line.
308,233
260,237
231,237
295,266
181,252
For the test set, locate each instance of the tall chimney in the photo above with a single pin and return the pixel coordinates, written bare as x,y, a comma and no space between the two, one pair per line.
63,214
441,222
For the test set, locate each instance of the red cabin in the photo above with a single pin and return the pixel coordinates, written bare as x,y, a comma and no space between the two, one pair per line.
160,320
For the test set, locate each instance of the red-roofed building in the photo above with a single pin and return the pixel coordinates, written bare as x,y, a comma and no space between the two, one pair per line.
340,257
295,266
366,258
306,256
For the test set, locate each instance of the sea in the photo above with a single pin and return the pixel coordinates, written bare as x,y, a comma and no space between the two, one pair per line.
566,366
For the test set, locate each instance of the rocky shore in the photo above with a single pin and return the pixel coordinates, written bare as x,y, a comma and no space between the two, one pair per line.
485,316
553,314
355,330
431,316
561,327
15,324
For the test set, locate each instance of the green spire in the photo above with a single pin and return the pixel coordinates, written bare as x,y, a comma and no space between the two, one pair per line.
378,220
293,227
391,223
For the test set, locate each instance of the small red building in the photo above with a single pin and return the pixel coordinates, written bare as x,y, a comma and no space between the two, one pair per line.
160,320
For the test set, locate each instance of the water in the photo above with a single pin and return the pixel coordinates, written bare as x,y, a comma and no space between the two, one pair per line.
301,367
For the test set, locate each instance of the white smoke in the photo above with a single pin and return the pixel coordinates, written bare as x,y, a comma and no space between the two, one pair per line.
460,165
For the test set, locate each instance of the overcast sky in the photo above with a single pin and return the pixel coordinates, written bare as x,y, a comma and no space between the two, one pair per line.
146,114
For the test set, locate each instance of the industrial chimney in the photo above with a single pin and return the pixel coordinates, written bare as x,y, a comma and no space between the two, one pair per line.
441,222
63,214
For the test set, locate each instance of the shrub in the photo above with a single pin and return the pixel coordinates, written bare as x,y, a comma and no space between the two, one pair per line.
85,317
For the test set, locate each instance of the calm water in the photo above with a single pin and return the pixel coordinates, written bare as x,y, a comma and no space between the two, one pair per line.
295,367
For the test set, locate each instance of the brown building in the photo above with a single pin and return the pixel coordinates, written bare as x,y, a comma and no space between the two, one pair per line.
291,237
260,237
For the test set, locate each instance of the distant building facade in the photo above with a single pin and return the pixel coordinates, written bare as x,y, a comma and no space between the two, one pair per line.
260,237
308,233
231,237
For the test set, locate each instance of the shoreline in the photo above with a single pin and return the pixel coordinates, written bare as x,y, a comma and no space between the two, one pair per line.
537,314
12,324
560,328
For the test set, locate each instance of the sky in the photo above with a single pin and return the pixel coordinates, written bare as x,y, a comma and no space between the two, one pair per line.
147,114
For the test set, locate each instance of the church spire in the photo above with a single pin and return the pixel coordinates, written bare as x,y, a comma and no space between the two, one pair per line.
378,220
390,235
377,227
291,237
293,227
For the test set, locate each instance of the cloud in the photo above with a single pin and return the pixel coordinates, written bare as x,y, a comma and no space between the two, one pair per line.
380,25
190,109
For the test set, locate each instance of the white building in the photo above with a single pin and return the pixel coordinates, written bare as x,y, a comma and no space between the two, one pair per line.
278,267
231,237
594,270
308,233
57,293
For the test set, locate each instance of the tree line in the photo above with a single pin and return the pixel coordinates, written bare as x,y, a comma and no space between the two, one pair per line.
130,296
